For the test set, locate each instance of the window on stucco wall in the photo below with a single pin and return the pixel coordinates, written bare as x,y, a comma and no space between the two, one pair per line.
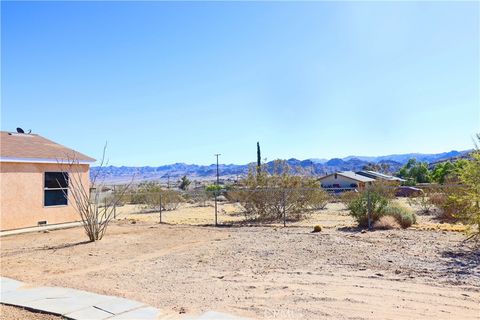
56,189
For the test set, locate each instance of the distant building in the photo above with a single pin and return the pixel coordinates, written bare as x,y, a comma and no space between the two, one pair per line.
33,185
345,181
380,176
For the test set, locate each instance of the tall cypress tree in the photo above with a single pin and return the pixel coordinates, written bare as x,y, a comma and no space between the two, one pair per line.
259,159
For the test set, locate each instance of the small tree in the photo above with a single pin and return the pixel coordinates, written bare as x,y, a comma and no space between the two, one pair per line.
184,183
442,170
470,198
415,172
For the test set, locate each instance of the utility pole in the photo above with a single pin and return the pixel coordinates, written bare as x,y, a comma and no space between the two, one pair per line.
218,180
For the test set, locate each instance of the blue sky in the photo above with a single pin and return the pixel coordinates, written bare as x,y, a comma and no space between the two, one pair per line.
167,82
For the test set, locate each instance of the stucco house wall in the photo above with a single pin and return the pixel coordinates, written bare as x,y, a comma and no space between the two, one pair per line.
341,181
22,195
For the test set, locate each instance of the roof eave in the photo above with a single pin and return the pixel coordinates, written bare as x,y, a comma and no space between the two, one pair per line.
44,160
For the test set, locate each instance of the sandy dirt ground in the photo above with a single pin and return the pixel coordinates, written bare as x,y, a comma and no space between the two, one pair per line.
14,313
261,272
335,215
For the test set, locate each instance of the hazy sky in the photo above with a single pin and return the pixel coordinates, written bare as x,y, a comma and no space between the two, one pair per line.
178,82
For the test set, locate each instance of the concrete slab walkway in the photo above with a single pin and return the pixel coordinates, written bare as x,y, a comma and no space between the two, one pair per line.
83,305
47,227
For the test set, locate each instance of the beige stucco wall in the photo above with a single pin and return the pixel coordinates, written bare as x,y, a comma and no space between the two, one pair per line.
22,192
344,182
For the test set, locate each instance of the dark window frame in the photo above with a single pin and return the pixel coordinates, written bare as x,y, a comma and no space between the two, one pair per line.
62,185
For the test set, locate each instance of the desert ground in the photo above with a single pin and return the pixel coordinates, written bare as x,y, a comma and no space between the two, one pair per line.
14,313
335,215
262,272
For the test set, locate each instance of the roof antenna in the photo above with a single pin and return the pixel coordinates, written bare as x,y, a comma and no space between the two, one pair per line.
20,130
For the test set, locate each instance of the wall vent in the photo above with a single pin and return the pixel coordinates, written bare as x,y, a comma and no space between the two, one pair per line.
42,223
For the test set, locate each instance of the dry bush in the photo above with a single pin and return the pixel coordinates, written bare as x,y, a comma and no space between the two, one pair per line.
317,199
234,195
268,196
347,197
386,223
447,203
171,199
149,195
403,215
423,202
384,188
198,197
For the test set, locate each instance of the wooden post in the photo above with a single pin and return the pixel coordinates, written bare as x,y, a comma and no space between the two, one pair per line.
284,210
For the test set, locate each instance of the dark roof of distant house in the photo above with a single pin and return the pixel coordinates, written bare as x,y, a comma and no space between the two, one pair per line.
351,175
24,147
378,175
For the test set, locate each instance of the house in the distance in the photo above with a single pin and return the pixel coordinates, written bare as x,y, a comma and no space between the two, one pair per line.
345,181
381,177
33,185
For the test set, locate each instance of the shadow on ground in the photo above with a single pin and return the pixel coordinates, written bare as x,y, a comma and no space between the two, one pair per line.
66,245
464,260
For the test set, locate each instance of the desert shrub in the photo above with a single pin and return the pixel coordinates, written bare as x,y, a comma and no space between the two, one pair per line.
404,216
147,195
317,228
171,199
347,197
359,207
213,187
384,188
233,195
198,197
423,202
267,195
317,199
120,192
448,204
386,223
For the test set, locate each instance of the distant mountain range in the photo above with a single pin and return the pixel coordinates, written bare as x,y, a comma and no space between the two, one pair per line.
113,174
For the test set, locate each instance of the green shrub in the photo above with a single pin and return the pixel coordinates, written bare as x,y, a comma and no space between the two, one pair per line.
213,187
404,216
359,207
